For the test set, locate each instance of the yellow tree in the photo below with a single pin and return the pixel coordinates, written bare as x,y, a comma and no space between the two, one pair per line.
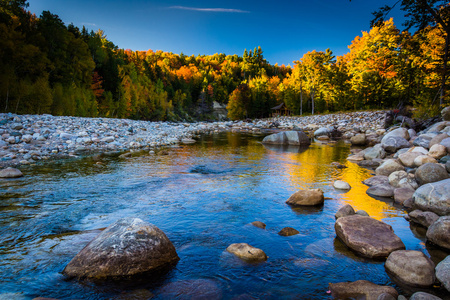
373,64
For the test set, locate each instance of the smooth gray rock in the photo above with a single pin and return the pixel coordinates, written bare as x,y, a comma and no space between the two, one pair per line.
341,185
287,138
322,131
437,139
403,194
358,140
376,151
443,272
394,143
362,213
388,167
128,247
424,218
412,268
438,232
423,141
376,180
430,172
446,144
247,253
367,236
10,173
434,197
361,289
308,197
346,210
381,190
399,132
423,296
407,159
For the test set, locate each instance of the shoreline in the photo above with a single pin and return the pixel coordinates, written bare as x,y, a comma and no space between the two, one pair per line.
27,139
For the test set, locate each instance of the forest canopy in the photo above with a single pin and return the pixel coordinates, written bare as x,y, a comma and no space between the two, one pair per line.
49,67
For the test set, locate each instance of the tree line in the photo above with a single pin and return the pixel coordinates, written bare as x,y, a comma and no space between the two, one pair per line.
48,67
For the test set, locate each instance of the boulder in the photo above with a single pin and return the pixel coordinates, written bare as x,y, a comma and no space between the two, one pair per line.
10,173
445,113
376,151
361,289
375,180
341,185
434,197
306,198
446,143
395,177
437,139
367,236
443,272
394,143
423,296
381,190
408,182
437,127
358,140
247,253
399,132
297,138
321,131
430,172
447,166
424,218
423,140
407,159
288,231
346,210
128,247
424,159
437,233
259,224
402,194
388,167
437,151
412,268
418,149
287,138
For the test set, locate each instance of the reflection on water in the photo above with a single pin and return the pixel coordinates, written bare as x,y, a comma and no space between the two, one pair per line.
203,196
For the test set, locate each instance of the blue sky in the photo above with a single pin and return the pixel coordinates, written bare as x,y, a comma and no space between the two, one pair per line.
284,29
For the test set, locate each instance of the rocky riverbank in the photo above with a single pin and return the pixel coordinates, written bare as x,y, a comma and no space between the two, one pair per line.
26,139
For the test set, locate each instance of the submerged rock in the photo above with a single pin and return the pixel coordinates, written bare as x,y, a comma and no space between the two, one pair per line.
288,231
361,289
367,236
306,198
259,224
247,253
10,173
191,289
128,247
412,268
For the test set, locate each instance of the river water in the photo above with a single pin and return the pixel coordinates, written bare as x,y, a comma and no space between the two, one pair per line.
203,196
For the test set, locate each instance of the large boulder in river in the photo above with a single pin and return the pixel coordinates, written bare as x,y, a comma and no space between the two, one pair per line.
367,236
361,289
437,233
10,173
128,247
306,198
389,166
287,138
247,253
430,172
443,272
410,267
434,197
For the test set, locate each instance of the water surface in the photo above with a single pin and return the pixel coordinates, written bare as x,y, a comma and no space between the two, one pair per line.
203,197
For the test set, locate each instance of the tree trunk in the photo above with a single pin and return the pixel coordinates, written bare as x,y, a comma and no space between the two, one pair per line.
312,100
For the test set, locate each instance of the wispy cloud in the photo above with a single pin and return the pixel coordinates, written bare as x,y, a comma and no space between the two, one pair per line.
224,10
89,24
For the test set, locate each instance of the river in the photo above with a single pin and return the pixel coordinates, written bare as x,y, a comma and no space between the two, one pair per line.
203,196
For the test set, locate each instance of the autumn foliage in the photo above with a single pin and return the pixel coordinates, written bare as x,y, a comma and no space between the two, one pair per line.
48,67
